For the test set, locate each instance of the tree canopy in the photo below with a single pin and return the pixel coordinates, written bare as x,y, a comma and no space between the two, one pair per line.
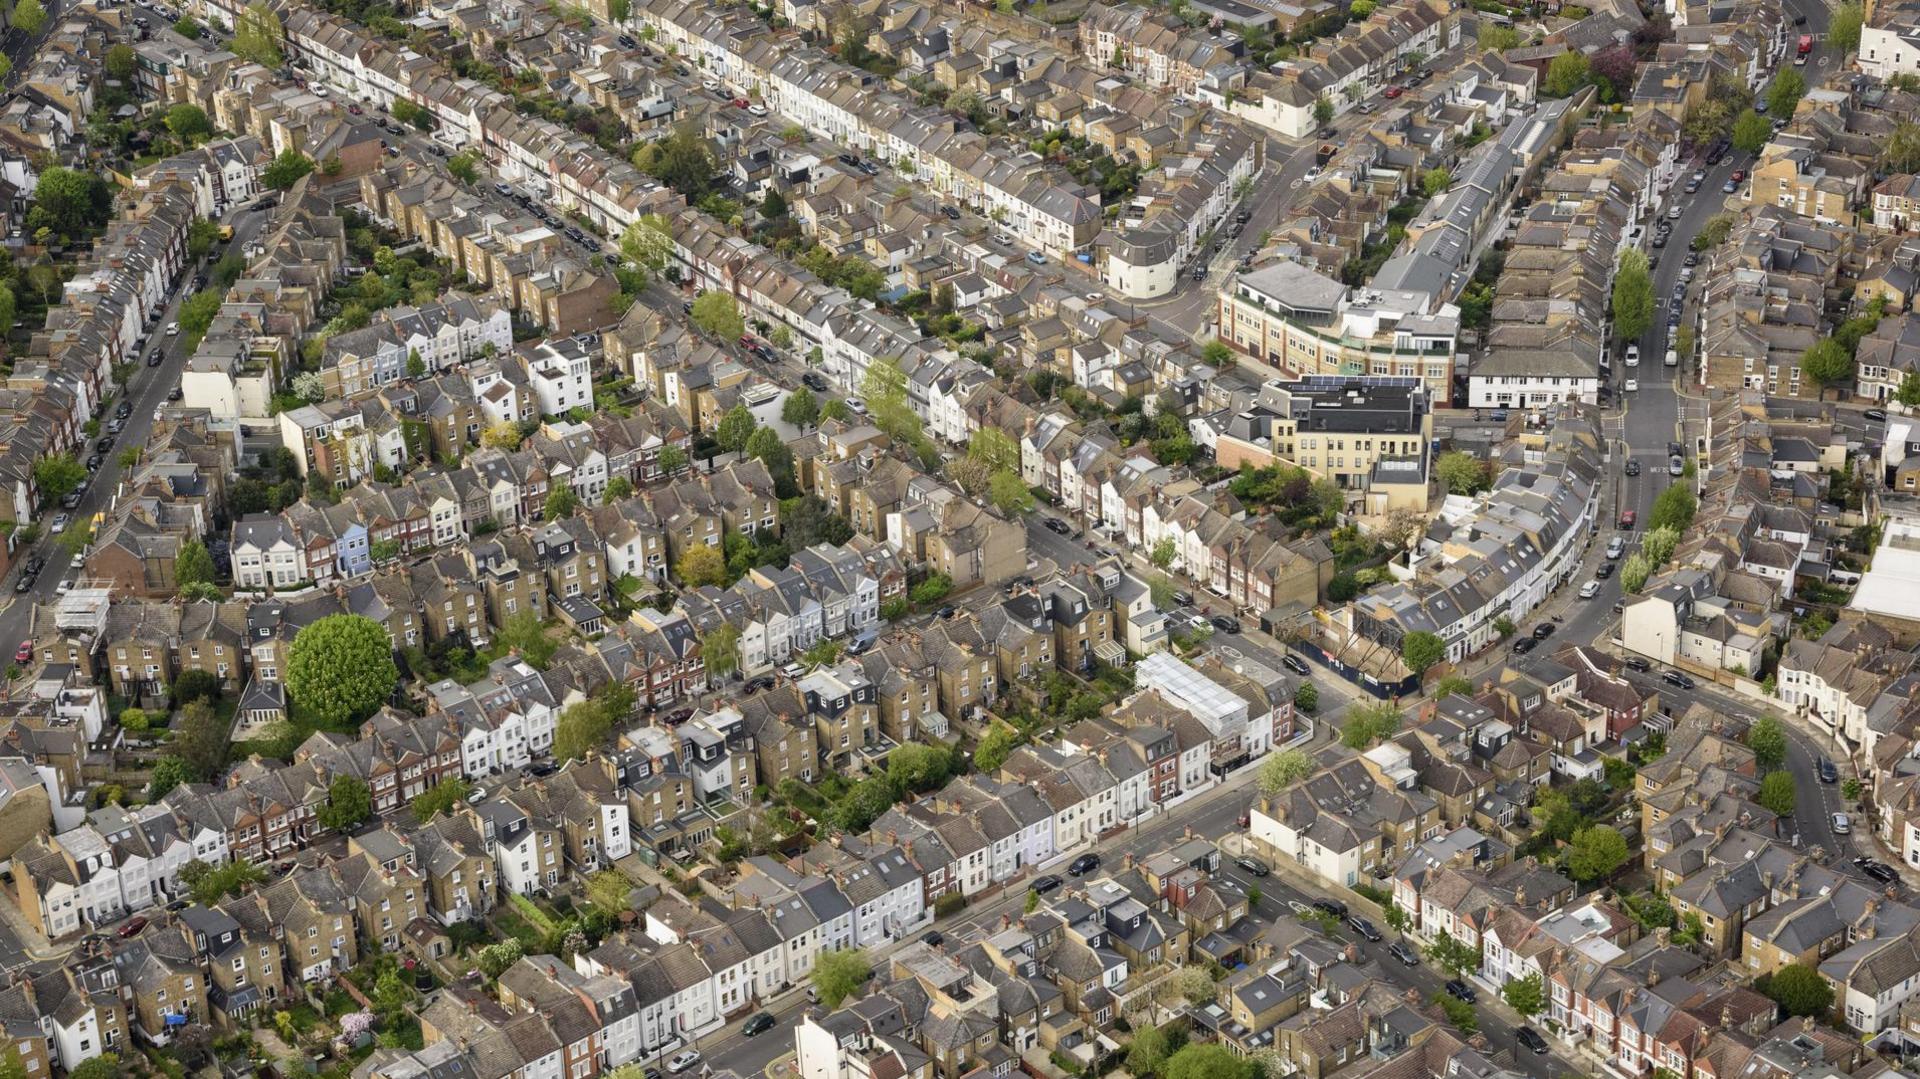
1632,297
839,973
340,669
1800,990
1594,853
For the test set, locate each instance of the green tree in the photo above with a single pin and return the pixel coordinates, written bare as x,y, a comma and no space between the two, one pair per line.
996,449
1828,363
1282,770
1799,989
1768,740
671,459
349,803
120,62
583,727
1369,723
168,773
340,669
464,167
524,635
1843,28
561,501
1453,685
288,169
681,161
735,428
443,797
1524,995
701,565
58,476
189,123
1568,72
1207,1060
1217,353
1674,508
1420,650
1462,472
214,883
839,973
1453,955
257,35
1908,393
919,767
192,564
1658,545
1323,109
200,740
187,27
1306,698
610,892
1901,150
801,408
994,746
29,16
1632,296
1162,553
1751,131
1009,494
1785,93
1436,182
618,487
1777,793
1594,853
720,648
1147,1053
494,959
69,201
648,243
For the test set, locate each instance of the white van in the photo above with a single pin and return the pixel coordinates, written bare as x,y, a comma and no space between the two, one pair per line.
1673,358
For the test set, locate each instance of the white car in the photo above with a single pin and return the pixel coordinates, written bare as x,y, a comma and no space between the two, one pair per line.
1673,358
59,523
1633,355
757,110
63,587
681,1061
1673,212
1590,590
318,89
173,329
1633,384
1841,824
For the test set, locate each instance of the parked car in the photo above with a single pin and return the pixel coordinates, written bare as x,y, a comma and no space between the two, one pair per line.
681,1061
1058,527
759,1024
1633,467
1842,824
60,522
1676,679
1531,1038
132,926
1246,861
1629,518
71,501
1877,415
1590,589
1295,664
932,938
1524,645
1043,885
1635,663
1400,950
24,653
1828,773
1604,570
1226,625
1460,990
1616,548
1879,871
1083,865
1183,597
1676,465
1363,927
1542,631
1331,906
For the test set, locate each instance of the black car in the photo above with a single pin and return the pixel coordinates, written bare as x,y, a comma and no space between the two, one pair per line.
1363,927
1057,526
93,461
103,443
154,358
813,380
1460,990
175,394
125,410
1524,645
1295,664
1877,415
1531,1038
70,501
1224,624
1401,951
932,938
1331,906
1605,571
674,719
952,214
1828,773
1043,885
1675,678
1542,631
1328,132
1252,865
23,584
1635,663
1879,871
1084,864
1633,468
764,682
759,1024
1183,597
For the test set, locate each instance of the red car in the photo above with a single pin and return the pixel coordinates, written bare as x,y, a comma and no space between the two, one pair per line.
1627,518
134,925
1739,175
24,653
1393,92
